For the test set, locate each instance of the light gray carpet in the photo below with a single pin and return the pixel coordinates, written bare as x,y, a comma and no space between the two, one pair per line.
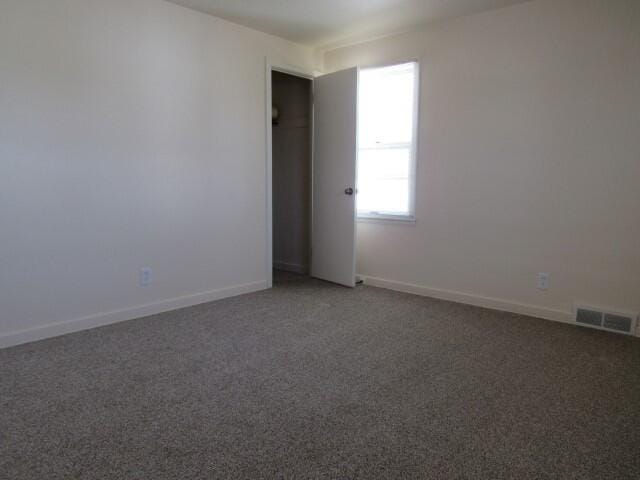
311,380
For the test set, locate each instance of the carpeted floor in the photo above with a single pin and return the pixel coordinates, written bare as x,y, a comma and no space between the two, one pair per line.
311,380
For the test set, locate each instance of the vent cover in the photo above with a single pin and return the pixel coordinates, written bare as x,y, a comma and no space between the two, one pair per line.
606,320
589,317
617,322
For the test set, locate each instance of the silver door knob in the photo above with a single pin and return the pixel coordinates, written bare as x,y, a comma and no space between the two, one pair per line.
348,191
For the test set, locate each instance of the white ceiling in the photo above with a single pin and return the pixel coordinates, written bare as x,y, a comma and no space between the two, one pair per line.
331,23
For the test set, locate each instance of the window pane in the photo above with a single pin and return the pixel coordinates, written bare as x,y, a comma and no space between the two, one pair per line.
385,140
386,105
383,180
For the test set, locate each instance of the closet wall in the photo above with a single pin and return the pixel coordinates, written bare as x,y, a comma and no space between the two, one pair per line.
291,173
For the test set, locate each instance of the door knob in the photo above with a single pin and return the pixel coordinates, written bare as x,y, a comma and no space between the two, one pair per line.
348,191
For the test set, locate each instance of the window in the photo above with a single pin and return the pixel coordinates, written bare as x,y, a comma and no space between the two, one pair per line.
387,118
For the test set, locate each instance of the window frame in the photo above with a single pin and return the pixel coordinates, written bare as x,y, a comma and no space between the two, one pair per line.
410,218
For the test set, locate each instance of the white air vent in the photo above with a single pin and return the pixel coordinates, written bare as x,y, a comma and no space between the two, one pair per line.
604,319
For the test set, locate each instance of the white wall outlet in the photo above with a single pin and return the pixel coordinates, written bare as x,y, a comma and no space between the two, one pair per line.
543,281
146,276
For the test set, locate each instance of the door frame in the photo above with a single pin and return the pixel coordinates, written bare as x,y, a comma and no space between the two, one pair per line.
270,67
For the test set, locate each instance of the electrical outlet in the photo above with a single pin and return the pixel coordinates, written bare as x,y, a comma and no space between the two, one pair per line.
146,276
543,281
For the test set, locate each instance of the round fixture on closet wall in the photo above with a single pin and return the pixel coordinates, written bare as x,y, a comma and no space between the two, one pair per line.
275,113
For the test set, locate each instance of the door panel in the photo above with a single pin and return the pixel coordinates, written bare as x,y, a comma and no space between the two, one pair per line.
334,177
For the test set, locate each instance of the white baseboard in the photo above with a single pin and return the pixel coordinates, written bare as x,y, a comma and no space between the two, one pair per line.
116,316
471,299
291,267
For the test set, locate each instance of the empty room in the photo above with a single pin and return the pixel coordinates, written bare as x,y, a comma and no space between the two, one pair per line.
301,239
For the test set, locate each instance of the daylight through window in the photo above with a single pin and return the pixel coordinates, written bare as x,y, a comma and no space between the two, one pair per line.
387,119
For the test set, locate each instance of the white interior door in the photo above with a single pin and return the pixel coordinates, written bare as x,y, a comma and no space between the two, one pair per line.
334,177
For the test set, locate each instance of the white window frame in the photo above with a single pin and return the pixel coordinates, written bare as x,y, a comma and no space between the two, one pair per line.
374,217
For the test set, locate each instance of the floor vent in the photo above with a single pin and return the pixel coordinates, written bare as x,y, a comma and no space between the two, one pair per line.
606,320
618,323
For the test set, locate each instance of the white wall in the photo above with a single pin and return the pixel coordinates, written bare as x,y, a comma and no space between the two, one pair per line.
132,133
529,157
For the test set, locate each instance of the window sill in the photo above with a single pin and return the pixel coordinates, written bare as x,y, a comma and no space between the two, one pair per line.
388,219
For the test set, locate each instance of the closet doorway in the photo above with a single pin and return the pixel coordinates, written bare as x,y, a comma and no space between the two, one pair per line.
291,127
311,174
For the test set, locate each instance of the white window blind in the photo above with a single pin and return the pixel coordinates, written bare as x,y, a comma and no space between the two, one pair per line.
386,144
